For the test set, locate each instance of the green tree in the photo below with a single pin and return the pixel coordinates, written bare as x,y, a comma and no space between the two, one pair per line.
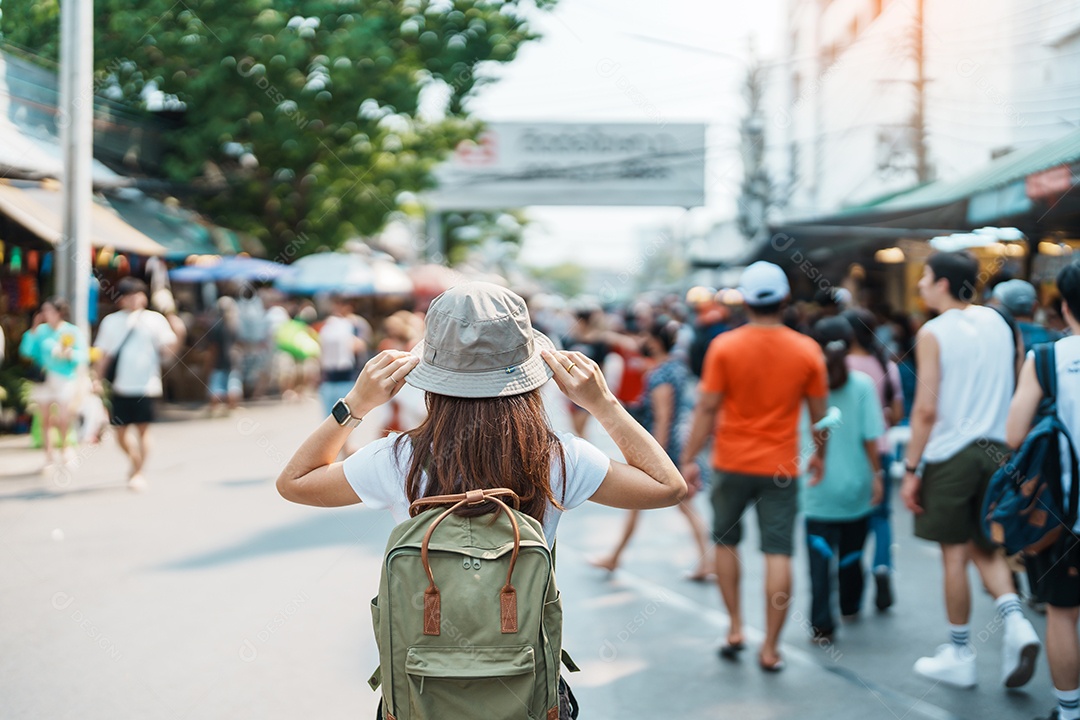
305,111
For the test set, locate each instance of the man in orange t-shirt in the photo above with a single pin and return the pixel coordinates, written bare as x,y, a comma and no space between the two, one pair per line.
754,382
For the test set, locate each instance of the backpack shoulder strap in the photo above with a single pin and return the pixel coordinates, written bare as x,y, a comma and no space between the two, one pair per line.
1018,342
1046,370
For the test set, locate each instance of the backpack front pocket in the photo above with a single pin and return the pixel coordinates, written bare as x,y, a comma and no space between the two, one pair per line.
493,683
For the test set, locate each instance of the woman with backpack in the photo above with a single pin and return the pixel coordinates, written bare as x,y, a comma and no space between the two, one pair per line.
481,365
838,508
869,356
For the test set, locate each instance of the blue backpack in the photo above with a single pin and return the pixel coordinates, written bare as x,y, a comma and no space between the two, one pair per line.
1024,509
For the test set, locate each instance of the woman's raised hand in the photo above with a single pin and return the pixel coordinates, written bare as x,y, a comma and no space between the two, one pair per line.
579,378
381,379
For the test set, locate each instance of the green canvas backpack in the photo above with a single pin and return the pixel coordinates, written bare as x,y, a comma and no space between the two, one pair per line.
468,619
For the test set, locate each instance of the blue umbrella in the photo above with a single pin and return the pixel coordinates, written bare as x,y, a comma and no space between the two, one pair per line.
343,273
245,269
192,274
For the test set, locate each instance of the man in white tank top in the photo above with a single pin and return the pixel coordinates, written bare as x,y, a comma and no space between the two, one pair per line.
966,365
1058,569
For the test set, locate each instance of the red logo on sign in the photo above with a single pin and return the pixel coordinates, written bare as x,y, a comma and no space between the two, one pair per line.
485,151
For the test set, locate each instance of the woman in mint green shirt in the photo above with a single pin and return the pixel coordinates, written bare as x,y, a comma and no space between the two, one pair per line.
60,349
837,509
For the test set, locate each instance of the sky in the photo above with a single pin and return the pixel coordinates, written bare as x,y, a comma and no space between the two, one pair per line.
567,76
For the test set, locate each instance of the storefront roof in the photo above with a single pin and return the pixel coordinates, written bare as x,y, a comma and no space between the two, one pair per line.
179,231
38,209
1005,188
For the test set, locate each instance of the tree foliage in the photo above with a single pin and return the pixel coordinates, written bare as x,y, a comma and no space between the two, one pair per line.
307,111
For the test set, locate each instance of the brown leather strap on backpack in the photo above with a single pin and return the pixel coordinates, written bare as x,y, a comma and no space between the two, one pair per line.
472,497
507,596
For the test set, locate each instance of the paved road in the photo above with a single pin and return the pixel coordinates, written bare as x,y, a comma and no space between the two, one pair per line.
210,597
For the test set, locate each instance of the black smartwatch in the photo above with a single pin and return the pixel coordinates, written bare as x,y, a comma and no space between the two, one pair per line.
343,415
913,469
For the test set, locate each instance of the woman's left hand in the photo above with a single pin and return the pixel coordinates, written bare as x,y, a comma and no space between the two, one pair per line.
381,379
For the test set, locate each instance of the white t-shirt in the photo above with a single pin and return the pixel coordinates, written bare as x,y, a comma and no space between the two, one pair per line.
1067,360
138,369
377,477
336,343
978,375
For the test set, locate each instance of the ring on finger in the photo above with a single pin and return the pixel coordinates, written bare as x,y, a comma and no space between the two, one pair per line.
571,366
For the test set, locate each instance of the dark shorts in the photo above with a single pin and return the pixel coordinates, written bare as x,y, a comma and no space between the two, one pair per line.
776,503
952,495
1056,573
133,409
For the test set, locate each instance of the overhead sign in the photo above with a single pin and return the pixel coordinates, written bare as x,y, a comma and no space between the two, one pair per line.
516,164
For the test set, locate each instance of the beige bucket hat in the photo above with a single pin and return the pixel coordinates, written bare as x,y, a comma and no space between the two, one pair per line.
479,342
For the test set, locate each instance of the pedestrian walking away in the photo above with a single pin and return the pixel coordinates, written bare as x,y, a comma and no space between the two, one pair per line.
870,357
664,410
226,384
132,342
755,381
344,352
481,366
966,360
1058,568
1020,300
838,508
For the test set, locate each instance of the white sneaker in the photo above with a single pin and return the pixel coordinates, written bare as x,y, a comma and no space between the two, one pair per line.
1019,649
949,665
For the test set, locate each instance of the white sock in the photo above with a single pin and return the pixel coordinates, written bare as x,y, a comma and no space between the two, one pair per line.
960,635
1008,604
1068,704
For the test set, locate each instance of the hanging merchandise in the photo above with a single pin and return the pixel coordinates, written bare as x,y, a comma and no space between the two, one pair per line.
32,261
16,260
95,298
158,274
105,257
46,264
27,291
120,262
1,251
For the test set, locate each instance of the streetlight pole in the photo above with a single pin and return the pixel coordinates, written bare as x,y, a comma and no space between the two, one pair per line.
76,118
922,163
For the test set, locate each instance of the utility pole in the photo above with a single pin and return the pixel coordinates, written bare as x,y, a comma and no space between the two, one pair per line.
922,164
76,119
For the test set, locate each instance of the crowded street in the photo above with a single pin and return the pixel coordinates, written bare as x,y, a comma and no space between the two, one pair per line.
539,359
208,596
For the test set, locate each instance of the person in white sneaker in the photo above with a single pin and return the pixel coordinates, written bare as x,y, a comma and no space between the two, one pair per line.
967,371
1058,569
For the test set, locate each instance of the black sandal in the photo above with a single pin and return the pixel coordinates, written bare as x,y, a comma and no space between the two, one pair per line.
731,651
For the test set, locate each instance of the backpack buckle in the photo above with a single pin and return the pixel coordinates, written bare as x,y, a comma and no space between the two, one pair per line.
475,497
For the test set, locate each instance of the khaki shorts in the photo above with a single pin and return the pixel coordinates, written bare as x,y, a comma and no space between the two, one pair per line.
776,503
952,495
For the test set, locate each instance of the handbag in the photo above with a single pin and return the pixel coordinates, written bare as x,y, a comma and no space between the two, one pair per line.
110,369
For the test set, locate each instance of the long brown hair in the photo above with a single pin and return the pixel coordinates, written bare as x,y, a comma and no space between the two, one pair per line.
483,443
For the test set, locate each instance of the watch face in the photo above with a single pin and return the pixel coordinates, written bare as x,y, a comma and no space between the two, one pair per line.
340,412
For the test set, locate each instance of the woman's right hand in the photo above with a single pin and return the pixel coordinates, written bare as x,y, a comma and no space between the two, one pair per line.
381,379
583,383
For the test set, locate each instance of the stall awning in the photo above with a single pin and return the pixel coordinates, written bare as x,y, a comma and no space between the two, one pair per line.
1037,182
39,210
181,232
